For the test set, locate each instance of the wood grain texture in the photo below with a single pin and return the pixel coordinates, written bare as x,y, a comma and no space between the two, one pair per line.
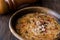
5,33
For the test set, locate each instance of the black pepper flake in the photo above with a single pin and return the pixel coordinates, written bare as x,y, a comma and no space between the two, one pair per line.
56,27
44,22
41,31
26,32
40,28
33,20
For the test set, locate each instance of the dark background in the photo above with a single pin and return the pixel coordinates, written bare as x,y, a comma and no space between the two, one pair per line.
5,33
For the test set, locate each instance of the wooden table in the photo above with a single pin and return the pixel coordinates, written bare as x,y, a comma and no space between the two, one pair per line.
5,33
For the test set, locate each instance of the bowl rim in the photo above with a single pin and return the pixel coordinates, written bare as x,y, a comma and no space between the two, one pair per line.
10,26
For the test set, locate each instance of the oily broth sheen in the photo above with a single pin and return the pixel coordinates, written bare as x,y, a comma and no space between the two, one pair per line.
37,26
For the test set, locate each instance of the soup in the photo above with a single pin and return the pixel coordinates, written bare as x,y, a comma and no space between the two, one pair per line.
37,26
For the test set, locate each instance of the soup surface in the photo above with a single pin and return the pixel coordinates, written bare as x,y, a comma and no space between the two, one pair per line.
37,26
